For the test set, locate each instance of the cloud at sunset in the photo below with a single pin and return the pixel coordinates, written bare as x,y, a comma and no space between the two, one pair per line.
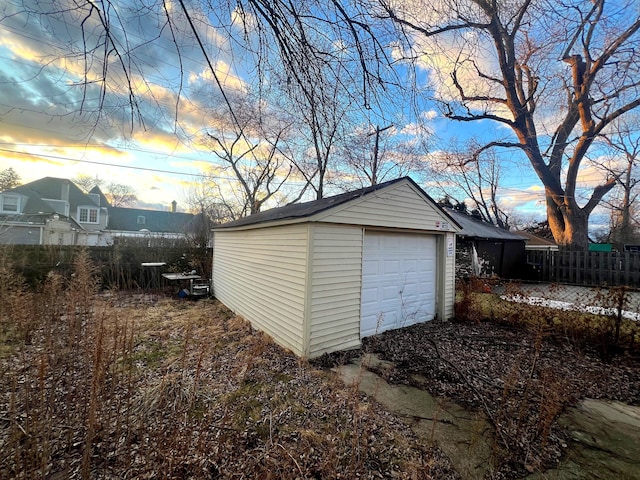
49,114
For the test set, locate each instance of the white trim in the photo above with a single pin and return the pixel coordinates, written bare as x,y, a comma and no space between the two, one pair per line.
18,203
89,209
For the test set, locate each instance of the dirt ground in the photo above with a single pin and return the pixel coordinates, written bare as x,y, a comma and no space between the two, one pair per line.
127,387
520,380
137,387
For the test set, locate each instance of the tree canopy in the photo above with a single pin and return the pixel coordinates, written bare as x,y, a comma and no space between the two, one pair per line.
9,178
552,77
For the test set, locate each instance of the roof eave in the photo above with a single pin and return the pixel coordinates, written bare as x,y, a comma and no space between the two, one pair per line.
317,215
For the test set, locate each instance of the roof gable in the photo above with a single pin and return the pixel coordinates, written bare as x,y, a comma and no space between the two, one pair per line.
401,204
328,208
53,189
102,198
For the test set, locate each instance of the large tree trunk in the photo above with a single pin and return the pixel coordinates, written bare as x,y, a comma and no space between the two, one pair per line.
569,224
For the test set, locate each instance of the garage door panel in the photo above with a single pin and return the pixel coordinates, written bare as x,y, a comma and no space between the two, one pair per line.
369,295
426,286
371,241
410,290
389,293
410,266
370,267
390,266
398,286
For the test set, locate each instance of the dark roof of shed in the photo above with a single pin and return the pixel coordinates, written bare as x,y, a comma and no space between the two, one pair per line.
475,228
307,209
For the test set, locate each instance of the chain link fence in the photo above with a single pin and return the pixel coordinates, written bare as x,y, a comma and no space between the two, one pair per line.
596,300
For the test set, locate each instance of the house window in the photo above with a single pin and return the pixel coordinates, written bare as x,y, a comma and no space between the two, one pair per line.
87,215
141,220
10,203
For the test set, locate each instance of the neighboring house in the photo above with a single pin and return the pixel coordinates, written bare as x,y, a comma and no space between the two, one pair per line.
484,249
153,225
50,211
536,242
319,276
54,211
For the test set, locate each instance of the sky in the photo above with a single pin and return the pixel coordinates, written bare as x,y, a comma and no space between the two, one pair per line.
51,125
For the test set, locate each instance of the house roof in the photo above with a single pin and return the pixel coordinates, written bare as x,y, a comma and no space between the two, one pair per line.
307,209
121,218
537,240
35,205
474,228
50,188
103,200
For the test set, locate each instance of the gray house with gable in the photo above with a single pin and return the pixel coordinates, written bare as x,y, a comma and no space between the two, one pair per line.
51,211
55,211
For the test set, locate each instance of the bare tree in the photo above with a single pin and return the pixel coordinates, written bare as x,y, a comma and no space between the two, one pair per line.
624,166
379,153
116,52
9,178
203,199
114,49
250,155
86,182
322,109
477,176
120,194
117,194
554,74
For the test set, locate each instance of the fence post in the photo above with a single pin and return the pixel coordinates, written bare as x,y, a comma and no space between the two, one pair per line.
588,274
544,260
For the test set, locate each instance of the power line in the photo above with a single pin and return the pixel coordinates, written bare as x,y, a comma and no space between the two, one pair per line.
102,145
131,167
513,192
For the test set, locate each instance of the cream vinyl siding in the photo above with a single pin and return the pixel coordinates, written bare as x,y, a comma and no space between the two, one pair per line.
449,280
261,275
334,303
399,206
299,279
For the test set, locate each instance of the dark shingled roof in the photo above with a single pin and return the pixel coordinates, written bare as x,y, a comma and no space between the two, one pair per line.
307,209
50,188
121,218
103,200
475,228
125,219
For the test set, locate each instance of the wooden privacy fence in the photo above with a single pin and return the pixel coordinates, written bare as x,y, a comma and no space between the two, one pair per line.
585,268
119,265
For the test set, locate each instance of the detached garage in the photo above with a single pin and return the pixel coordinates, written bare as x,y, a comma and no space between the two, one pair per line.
320,276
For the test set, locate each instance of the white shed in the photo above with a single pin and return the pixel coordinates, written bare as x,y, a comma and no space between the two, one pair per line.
320,276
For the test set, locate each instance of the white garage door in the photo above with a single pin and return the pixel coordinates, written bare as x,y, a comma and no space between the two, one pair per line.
398,281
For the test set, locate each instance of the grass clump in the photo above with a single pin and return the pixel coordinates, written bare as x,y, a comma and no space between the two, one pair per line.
596,324
113,385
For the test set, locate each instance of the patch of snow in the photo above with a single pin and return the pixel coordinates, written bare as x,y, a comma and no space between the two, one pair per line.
560,305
